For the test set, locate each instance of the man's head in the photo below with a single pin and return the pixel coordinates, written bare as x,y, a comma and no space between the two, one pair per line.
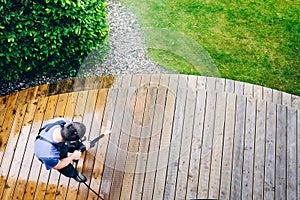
73,131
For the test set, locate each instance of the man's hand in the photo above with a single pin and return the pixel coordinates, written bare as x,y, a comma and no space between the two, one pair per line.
75,155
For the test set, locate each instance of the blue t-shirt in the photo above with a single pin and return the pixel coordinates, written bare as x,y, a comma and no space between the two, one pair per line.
46,151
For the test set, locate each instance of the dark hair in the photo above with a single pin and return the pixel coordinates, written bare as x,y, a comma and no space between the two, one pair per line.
69,133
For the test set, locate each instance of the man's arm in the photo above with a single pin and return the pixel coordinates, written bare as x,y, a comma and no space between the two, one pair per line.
66,161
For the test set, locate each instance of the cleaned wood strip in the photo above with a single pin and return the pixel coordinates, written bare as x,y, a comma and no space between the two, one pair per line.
207,142
79,112
133,146
259,151
27,188
20,147
211,84
296,102
186,142
196,146
89,158
100,157
281,139
119,168
267,94
9,152
201,83
250,123
162,163
177,130
291,153
269,180
41,183
142,155
155,142
217,148
277,97
113,142
226,170
238,147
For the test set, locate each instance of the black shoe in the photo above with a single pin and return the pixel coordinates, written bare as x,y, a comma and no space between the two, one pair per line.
80,178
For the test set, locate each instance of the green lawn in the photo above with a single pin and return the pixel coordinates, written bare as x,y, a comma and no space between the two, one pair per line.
251,41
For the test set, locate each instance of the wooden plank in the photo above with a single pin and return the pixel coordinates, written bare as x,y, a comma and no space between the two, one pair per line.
162,163
201,83
20,146
259,151
248,90
6,103
78,117
291,153
205,162
269,181
281,139
95,131
186,142
238,156
126,125
196,147
100,157
217,147
229,86
286,99
41,183
9,152
27,188
106,82
277,97
296,102
220,85
22,97
226,170
298,153
158,119
177,130
247,184
89,157
51,189
211,83
142,155
42,91
113,143
239,88
267,94
133,145
89,83
258,92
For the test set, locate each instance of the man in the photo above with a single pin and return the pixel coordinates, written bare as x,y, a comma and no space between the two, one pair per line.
56,140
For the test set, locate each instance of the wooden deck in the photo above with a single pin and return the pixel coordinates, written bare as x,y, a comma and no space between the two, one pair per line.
173,137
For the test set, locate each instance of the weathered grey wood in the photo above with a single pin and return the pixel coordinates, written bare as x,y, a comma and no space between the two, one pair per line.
291,153
239,88
220,85
159,115
201,83
176,139
296,102
258,92
113,142
281,139
277,97
259,153
248,90
210,83
286,99
269,180
298,153
196,147
217,147
268,94
162,162
226,170
229,86
238,154
186,141
205,160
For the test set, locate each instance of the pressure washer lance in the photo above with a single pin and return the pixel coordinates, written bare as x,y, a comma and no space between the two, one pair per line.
92,144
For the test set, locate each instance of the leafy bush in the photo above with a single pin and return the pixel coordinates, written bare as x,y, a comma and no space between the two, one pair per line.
49,36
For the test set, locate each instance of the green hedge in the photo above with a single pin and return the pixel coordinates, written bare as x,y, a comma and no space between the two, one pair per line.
43,37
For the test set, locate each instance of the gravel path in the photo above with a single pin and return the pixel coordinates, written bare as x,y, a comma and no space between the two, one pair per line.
127,54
